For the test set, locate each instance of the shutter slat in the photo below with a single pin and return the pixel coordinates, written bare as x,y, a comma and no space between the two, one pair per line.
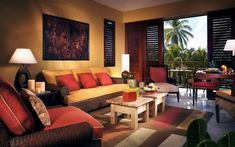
152,43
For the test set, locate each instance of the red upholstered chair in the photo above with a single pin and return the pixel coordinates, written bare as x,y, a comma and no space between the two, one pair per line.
159,75
70,126
201,82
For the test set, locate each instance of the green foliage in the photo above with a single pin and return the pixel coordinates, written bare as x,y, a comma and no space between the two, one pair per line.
197,131
228,140
178,32
207,143
176,38
197,136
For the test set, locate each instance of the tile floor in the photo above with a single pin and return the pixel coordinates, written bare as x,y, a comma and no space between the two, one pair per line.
216,130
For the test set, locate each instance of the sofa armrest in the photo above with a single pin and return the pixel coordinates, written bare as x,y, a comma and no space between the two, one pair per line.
74,135
62,91
117,80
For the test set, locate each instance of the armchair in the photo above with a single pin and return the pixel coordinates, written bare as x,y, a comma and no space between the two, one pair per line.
19,126
159,75
79,134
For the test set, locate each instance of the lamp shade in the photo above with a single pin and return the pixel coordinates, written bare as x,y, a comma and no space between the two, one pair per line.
23,56
125,62
230,45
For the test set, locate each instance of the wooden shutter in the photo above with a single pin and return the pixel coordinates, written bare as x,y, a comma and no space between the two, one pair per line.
152,43
220,29
109,43
134,47
144,44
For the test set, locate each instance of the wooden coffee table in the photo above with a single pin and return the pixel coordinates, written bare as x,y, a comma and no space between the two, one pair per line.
141,105
158,98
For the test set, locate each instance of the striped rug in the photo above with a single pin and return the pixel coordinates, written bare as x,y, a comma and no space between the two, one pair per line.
169,126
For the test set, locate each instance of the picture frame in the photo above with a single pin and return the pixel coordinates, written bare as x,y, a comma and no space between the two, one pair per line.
65,39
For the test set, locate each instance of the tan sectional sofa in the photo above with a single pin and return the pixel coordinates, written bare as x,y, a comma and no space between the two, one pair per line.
86,99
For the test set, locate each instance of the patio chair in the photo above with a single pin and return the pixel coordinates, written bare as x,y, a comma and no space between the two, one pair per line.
201,82
159,75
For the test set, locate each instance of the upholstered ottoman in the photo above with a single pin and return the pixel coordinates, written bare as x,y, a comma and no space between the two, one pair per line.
168,88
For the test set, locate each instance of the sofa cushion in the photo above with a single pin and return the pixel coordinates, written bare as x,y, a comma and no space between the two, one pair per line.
68,81
13,111
65,116
205,84
50,75
95,70
38,106
78,71
166,87
104,78
84,94
87,80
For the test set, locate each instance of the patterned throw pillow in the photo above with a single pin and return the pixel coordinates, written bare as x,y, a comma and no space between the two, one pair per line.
38,107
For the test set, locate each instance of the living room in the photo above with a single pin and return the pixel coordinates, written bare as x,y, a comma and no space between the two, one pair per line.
22,27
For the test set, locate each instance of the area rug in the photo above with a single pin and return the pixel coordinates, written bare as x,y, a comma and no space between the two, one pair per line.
173,122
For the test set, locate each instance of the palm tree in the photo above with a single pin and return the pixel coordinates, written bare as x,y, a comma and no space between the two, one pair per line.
178,32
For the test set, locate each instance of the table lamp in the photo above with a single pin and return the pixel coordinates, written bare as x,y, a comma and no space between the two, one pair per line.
125,66
22,56
230,46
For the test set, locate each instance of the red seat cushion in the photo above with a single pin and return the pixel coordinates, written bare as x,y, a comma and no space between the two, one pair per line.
65,116
13,111
158,74
68,81
104,78
87,80
205,84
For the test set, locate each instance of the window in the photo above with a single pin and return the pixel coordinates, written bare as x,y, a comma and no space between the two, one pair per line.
109,43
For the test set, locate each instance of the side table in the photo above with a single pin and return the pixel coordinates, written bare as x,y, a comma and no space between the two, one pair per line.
158,98
141,105
50,98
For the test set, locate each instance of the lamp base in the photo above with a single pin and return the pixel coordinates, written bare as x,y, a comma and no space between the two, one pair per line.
22,77
125,76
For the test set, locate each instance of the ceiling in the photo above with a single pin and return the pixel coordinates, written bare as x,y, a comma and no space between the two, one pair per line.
127,5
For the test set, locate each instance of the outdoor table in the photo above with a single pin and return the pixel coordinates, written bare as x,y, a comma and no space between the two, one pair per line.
179,73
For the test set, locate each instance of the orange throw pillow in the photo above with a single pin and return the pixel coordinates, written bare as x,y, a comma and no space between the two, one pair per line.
104,78
87,80
68,81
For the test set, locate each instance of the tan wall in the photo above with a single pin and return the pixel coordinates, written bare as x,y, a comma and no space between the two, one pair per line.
21,26
178,9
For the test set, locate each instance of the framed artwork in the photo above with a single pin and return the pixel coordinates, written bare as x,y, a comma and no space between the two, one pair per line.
65,39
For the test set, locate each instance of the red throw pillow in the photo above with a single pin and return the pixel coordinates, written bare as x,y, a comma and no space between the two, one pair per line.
13,111
104,78
87,80
68,81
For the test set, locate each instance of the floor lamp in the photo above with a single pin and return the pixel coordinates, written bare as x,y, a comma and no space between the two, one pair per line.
22,56
125,67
